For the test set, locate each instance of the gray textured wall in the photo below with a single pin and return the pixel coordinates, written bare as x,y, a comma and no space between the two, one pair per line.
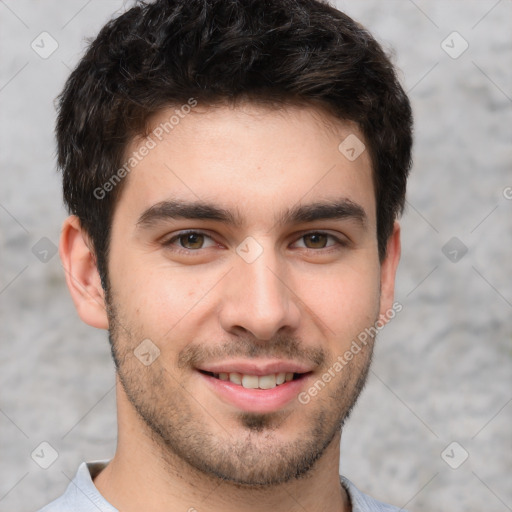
443,366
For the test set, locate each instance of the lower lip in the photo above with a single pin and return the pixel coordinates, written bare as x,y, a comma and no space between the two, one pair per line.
255,400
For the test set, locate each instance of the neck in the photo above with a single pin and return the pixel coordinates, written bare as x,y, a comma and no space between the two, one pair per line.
144,476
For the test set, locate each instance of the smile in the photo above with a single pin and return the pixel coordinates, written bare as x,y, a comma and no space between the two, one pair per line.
255,381
257,388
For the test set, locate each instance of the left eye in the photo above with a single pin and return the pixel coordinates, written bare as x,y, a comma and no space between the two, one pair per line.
317,240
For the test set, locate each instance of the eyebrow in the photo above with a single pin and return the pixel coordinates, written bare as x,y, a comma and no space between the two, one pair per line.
166,210
339,209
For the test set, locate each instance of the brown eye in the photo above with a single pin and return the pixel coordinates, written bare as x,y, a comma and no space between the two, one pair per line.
189,243
191,240
316,240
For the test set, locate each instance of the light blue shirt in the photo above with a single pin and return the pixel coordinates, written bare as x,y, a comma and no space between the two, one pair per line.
82,495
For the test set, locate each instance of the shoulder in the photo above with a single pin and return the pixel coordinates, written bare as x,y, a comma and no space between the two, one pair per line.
362,502
81,494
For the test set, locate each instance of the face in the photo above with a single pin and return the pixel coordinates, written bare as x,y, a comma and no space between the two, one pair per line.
244,252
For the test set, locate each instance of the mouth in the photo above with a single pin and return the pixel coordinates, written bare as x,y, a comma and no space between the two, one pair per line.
258,387
249,381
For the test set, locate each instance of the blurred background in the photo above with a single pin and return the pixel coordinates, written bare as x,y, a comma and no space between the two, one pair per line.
432,430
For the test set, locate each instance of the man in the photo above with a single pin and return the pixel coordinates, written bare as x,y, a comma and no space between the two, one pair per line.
234,170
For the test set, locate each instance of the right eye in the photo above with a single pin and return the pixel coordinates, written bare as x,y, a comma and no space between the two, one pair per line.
188,241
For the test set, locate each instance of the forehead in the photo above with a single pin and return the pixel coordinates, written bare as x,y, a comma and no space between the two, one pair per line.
253,160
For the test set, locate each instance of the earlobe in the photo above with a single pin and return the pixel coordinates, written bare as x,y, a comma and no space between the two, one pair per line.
82,275
388,272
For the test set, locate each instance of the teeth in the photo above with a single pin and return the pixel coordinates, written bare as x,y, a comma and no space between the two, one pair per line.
267,382
250,381
254,381
235,378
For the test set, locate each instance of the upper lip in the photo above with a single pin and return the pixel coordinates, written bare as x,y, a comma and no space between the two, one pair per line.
258,368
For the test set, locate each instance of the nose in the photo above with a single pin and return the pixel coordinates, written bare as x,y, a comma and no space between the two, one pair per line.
259,298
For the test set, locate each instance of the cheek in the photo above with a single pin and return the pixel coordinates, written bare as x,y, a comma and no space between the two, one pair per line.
345,300
158,302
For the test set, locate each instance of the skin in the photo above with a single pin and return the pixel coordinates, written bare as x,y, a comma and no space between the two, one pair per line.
304,299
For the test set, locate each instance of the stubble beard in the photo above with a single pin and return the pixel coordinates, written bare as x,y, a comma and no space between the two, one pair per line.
254,455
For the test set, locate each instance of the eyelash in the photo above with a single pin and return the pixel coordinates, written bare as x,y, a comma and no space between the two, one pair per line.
180,250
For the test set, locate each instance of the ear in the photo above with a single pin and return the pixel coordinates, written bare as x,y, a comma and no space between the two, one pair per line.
82,277
388,272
